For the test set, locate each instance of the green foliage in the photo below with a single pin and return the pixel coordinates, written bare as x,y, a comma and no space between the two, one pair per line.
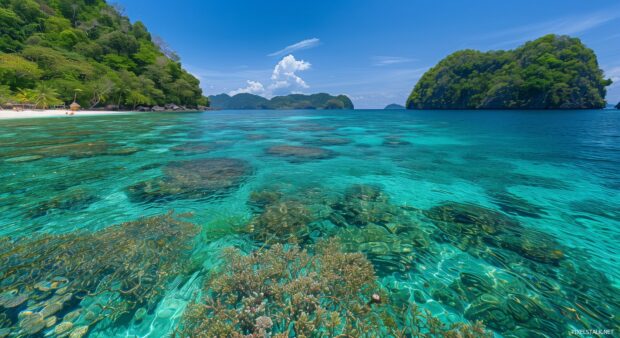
64,45
553,72
17,72
293,101
5,95
45,96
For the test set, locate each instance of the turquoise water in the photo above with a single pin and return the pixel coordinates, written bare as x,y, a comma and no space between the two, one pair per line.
512,217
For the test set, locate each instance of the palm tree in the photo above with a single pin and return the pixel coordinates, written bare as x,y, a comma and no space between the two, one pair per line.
5,95
24,96
45,96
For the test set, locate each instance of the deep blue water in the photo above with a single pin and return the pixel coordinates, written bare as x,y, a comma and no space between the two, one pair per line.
547,183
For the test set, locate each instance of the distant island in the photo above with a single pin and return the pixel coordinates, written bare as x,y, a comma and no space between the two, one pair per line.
394,106
552,72
293,101
55,52
618,105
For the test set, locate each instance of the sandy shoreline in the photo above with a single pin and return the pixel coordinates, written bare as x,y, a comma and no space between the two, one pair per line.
27,114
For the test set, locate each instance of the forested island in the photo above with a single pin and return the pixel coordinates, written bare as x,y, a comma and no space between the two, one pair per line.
53,52
552,72
293,101
394,106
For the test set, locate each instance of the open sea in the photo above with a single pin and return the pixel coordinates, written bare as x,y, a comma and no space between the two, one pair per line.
509,217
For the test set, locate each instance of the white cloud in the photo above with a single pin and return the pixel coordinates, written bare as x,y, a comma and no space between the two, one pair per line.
253,87
391,60
284,79
285,73
305,44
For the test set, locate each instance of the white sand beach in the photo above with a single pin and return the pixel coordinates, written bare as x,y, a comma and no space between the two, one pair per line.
25,114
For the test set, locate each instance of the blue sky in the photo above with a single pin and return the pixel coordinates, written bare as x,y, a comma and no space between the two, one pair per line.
372,50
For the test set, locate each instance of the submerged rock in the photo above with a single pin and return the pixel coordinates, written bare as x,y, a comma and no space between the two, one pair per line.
300,153
25,158
395,141
363,205
388,252
514,205
333,141
31,323
193,179
192,148
467,219
73,200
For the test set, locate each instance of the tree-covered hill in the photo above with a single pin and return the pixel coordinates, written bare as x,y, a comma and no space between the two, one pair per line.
293,101
394,106
54,50
552,72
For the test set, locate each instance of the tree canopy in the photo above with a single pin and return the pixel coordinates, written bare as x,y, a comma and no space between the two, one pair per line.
552,72
88,48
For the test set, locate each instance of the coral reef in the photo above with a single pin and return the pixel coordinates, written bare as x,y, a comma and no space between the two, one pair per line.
192,148
549,291
333,141
73,150
363,205
73,200
300,153
193,179
284,221
286,291
65,284
395,141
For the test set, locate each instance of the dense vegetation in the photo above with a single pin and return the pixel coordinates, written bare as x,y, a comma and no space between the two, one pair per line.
394,106
552,72
52,51
293,101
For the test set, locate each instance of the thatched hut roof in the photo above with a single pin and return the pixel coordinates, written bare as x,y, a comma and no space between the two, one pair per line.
75,106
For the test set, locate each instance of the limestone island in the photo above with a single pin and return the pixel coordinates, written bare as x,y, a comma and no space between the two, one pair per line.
552,72
246,101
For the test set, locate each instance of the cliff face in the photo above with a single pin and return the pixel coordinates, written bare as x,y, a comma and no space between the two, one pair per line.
293,101
553,72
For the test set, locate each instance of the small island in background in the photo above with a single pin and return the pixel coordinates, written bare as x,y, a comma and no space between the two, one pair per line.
394,106
246,101
552,72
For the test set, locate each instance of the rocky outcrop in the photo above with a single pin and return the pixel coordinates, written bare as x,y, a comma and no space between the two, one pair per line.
553,72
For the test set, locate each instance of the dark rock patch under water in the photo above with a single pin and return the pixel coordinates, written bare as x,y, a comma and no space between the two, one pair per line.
194,179
74,150
300,153
193,148
551,287
73,200
515,205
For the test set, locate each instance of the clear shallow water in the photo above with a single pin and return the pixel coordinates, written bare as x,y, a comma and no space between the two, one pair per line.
508,217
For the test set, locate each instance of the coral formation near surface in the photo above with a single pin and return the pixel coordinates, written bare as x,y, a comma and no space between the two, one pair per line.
286,291
66,284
